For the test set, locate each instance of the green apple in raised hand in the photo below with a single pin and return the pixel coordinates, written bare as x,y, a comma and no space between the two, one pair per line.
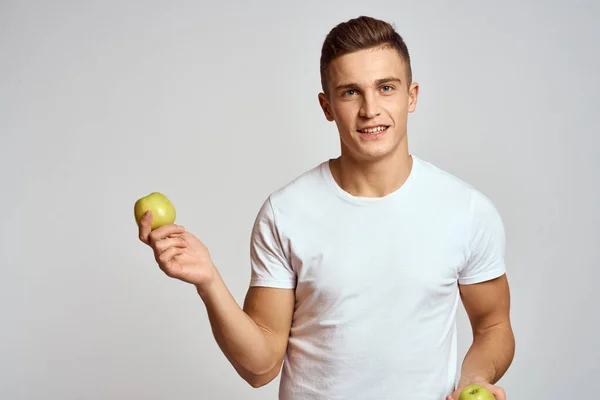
163,212
476,392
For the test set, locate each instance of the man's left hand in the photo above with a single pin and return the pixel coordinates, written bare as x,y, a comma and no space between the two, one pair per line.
497,391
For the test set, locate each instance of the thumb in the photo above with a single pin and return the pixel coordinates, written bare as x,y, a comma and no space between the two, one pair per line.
145,226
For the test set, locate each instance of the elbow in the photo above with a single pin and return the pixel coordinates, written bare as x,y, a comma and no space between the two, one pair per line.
259,381
256,384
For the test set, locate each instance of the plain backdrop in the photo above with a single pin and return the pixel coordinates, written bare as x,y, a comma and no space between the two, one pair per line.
215,105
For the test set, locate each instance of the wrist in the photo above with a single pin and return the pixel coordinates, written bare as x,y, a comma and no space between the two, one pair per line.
469,379
206,289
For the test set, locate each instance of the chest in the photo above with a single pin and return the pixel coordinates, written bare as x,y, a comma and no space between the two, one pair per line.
393,257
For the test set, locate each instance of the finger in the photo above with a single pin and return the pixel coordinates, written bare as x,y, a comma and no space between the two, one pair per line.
164,232
499,393
186,236
165,244
145,226
166,262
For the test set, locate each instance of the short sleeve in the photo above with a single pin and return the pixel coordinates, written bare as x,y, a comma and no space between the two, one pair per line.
487,242
270,266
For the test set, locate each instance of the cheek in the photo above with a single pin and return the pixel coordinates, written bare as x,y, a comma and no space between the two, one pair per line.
395,104
397,111
344,115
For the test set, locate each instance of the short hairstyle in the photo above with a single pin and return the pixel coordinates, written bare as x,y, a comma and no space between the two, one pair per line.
359,34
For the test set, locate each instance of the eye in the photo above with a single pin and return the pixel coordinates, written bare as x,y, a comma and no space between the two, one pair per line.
387,88
349,92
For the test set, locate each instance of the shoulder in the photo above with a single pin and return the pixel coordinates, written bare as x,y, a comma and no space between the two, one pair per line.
456,199
474,212
301,192
439,179
301,189
443,186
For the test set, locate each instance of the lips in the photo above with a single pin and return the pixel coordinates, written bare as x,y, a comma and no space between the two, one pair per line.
373,130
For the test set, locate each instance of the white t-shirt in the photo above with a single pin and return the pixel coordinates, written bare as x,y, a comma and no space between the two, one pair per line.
376,281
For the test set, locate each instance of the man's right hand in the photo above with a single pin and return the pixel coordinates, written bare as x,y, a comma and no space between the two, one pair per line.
179,254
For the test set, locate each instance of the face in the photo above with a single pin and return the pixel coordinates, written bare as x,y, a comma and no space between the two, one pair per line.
369,99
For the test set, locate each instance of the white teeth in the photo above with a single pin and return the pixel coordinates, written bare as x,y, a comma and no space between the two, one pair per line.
373,130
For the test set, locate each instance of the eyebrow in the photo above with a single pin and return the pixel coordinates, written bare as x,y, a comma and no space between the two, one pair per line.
378,82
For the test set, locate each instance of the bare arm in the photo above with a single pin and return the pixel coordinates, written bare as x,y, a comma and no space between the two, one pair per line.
491,353
254,339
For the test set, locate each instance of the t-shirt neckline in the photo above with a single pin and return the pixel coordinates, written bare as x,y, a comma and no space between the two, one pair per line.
359,200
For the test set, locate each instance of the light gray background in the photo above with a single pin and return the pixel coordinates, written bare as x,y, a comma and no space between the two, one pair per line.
215,105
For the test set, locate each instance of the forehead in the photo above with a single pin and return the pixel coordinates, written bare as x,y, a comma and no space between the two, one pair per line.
365,66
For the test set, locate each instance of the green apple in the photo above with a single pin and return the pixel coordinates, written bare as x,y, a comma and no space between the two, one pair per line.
163,212
476,392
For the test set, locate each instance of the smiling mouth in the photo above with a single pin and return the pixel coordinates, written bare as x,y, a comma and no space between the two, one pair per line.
374,131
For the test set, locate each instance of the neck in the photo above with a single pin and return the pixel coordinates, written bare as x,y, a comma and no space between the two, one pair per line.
372,179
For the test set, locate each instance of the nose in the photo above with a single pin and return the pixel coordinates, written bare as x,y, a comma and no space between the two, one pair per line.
369,108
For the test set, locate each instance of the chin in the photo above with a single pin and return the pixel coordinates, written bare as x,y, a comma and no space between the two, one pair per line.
373,149
369,155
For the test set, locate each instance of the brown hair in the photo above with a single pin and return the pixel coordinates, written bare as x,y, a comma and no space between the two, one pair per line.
359,34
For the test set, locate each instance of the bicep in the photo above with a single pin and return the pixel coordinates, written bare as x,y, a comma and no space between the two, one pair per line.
272,310
487,303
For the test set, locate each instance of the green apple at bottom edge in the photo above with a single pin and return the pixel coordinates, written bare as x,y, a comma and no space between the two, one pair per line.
163,211
476,392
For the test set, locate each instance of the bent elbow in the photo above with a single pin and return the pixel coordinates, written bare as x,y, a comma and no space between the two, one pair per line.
260,380
257,383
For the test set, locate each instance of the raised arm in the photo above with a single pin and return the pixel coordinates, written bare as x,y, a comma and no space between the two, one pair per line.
253,339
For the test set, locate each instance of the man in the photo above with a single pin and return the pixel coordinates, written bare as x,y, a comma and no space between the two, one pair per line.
359,264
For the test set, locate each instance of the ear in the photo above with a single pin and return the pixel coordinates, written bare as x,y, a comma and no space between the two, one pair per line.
413,95
324,102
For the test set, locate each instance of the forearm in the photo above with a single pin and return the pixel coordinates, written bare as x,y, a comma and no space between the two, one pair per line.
244,343
489,356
